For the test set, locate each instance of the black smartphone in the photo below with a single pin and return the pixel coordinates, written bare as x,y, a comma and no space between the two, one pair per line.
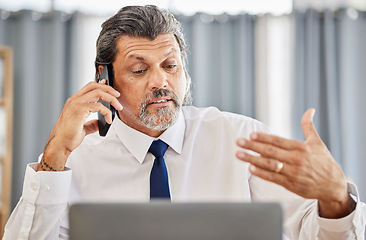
106,74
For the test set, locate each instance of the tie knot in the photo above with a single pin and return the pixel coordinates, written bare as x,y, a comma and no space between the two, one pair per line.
158,148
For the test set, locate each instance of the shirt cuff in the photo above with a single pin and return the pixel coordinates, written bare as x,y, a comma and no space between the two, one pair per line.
346,223
44,187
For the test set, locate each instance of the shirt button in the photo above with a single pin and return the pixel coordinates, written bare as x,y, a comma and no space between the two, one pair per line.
34,187
24,235
46,188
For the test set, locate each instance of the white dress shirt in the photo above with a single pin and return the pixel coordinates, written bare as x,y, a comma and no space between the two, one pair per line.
201,165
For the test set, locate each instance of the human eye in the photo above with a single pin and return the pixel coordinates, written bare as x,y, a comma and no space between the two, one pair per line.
171,66
139,69
139,72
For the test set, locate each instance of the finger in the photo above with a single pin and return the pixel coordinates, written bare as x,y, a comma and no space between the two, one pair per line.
99,107
98,94
270,176
307,124
91,126
276,141
93,85
266,150
295,184
261,162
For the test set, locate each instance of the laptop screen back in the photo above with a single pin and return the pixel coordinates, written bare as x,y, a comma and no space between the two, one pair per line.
167,221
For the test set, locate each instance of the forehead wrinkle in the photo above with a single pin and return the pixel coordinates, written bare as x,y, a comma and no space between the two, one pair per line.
172,51
137,56
129,48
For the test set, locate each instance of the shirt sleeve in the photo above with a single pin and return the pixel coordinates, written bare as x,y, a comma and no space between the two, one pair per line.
349,227
39,212
301,218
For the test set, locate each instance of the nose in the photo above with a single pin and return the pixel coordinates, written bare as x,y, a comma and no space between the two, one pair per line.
158,79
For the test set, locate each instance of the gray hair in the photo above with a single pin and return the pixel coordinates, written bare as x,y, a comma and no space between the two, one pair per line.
139,21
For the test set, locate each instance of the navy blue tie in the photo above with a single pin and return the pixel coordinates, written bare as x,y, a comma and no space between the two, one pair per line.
159,184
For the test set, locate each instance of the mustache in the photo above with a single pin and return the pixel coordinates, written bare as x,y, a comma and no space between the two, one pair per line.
160,93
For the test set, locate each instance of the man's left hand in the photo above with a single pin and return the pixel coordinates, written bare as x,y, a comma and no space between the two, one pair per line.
305,168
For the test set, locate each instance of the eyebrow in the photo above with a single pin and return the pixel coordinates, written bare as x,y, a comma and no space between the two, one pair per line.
134,56
172,50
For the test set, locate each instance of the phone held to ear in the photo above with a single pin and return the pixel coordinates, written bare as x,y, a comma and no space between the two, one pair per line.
106,74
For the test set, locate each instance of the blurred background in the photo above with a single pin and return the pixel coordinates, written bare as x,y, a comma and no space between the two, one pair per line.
268,59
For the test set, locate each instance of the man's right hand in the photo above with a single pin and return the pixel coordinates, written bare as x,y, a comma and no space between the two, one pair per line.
71,128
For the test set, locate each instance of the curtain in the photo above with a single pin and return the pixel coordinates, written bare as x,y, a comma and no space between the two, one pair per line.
51,62
221,61
39,43
243,64
330,72
273,72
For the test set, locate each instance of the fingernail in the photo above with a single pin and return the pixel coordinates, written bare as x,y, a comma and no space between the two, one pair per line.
312,115
117,93
252,168
241,154
241,142
254,136
119,107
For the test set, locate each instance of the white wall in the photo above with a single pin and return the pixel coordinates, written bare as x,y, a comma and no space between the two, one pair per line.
329,4
186,6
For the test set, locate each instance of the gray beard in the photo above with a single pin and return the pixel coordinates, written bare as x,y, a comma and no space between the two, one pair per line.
163,119
164,116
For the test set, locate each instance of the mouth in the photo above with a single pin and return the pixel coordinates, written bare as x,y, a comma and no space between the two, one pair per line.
159,101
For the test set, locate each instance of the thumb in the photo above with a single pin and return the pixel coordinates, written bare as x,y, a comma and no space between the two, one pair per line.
307,124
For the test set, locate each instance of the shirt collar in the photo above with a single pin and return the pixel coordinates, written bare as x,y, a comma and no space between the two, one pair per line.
174,136
139,143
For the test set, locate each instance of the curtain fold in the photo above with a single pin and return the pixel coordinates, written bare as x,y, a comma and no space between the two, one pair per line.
352,61
330,72
274,72
39,45
53,58
221,61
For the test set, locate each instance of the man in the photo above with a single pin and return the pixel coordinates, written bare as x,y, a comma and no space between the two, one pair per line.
146,49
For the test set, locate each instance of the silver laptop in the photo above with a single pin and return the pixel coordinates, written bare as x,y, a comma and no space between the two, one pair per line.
168,221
